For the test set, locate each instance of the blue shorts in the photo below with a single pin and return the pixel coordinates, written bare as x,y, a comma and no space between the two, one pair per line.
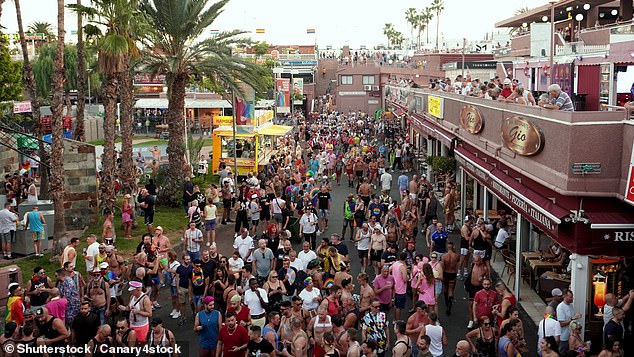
198,300
210,225
323,213
173,290
400,300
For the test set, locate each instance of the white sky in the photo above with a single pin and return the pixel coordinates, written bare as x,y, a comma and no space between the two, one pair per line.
337,22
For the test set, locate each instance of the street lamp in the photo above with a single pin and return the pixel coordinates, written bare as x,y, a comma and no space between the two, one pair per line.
276,70
579,18
293,72
552,41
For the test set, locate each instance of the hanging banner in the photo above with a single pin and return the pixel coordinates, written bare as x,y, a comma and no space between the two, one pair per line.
298,87
283,100
629,187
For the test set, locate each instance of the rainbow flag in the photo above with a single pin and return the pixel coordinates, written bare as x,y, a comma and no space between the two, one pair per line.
310,30
259,30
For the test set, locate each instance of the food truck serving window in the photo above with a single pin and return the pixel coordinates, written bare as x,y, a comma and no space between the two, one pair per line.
244,148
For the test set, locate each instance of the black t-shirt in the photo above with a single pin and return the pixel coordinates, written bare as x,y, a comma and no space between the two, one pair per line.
184,274
151,189
85,328
263,346
209,268
149,201
188,187
388,256
323,199
341,248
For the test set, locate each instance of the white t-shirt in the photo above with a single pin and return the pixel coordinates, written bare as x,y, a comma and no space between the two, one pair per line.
364,243
553,328
235,264
306,258
502,236
243,245
307,297
253,302
91,251
192,239
173,266
565,312
308,223
386,181
210,212
277,205
7,221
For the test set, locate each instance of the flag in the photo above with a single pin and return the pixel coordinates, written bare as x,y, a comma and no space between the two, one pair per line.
214,32
310,30
259,30
244,112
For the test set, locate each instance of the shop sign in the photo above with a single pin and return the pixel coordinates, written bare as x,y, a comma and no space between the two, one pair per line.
605,236
510,197
223,120
522,136
471,119
435,106
21,107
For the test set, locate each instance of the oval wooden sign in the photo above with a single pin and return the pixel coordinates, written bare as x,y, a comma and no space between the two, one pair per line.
471,119
522,136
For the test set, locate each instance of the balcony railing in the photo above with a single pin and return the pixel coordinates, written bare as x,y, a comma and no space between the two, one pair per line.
576,48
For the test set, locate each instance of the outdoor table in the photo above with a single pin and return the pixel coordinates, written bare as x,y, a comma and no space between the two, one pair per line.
536,265
536,255
550,280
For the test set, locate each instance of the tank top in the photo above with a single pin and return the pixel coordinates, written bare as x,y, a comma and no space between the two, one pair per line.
209,333
162,342
266,330
436,270
46,330
66,258
486,347
135,305
327,324
512,300
125,343
501,346
400,285
364,243
478,242
432,207
464,243
98,348
435,334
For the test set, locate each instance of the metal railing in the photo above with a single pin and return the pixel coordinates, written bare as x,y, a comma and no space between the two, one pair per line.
575,48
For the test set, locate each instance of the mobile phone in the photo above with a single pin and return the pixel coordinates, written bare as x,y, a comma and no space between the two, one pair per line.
84,250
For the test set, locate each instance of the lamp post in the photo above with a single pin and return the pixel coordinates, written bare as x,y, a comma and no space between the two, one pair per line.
234,122
579,18
293,72
276,70
552,41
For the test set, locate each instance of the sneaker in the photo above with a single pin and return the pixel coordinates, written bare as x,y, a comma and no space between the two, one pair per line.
470,325
156,305
208,244
176,315
174,311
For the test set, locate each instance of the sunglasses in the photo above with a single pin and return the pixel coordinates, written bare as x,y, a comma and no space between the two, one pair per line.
486,324
120,327
434,256
376,306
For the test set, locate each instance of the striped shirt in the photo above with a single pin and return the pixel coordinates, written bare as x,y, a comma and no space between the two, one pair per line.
564,102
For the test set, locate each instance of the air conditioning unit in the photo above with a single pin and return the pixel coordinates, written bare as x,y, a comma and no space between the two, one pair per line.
367,87
375,88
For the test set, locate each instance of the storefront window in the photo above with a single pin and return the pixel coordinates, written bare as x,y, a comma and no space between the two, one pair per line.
245,148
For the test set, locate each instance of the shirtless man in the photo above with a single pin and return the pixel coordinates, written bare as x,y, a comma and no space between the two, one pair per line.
299,343
317,327
354,348
107,232
163,245
115,264
413,188
343,274
367,294
373,167
479,272
465,243
285,330
99,295
365,191
359,169
450,264
415,324
299,313
349,165
403,341
156,153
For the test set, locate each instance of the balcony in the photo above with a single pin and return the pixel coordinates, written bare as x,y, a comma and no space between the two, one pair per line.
521,45
565,138
578,48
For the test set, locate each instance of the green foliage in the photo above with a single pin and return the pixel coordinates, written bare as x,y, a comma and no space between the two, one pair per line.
43,27
261,48
10,76
43,69
195,146
441,164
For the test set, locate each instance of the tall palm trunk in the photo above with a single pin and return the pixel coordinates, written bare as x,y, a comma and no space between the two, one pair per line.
437,28
81,79
29,83
171,194
109,97
57,147
128,172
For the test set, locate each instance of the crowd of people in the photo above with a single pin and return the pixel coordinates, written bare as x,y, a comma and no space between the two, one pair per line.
265,298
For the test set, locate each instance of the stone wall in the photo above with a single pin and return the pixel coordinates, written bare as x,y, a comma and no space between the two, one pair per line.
80,183
9,162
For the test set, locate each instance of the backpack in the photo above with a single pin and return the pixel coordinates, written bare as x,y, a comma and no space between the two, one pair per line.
196,216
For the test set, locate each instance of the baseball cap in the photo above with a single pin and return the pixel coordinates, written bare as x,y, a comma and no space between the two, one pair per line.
468,218
208,299
39,312
156,321
134,285
557,292
507,81
103,265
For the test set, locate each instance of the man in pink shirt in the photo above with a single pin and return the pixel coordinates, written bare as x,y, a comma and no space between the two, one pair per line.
57,305
484,300
399,273
383,285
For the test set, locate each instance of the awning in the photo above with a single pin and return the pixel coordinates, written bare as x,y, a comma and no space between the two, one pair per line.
536,208
611,220
399,112
611,234
225,132
274,130
163,103
432,129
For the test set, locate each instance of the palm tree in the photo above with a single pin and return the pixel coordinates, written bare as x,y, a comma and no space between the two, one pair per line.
44,28
172,49
388,30
115,45
420,25
411,17
57,147
438,6
428,15
29,83
79,133
515,30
